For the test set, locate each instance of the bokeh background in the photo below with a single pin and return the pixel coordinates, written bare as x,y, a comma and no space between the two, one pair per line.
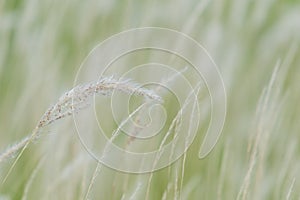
42,44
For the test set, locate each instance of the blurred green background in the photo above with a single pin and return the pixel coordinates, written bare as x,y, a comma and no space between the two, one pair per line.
42,44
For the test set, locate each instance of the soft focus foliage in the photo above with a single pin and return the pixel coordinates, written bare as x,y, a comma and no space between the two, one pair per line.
42,44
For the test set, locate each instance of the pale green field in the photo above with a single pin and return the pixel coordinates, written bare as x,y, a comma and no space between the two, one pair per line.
43,43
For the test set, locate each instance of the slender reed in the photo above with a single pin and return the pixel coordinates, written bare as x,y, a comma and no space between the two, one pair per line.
72,102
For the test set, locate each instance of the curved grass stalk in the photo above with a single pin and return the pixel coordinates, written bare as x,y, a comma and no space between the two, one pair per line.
288,196
31,178
135,130
72,102
114,136
264,111
93,179
174,124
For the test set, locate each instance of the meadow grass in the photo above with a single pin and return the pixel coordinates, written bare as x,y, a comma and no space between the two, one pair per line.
254,43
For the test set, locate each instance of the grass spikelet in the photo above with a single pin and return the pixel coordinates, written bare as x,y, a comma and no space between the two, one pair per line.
72,102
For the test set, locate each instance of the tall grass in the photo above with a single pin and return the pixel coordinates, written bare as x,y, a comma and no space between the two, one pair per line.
72,102
256,46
